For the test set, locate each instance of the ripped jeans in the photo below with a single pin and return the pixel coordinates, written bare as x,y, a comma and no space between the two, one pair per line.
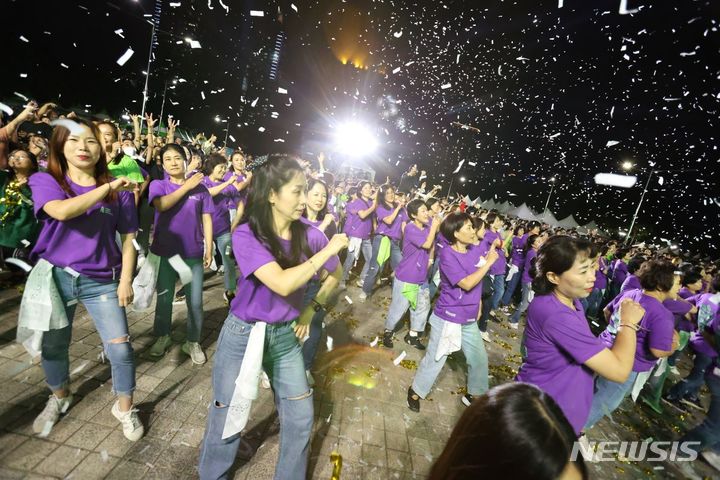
101,302
283,363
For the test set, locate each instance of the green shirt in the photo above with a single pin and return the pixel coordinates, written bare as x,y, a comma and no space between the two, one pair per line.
126,167
17,222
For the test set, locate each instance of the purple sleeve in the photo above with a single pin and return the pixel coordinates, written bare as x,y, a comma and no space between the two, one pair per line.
155,190
573,337
207,202
44,189
249,252
355,206
317,241
661,330
677,307
414,236
382,213
128,221
450,267
528,260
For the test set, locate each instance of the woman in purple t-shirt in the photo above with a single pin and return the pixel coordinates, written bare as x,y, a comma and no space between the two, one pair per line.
531,247
182,237
82,209
453,323
277,255
560,353
391,218
358,227
410,287
656,337
222,189
236,203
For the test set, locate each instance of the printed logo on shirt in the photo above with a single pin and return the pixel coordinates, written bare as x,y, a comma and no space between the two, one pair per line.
106,210
194,197
450,314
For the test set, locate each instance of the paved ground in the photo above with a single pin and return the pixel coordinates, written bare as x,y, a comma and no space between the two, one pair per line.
359,405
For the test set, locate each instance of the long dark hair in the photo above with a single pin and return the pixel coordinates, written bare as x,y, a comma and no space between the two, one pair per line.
557,255
311,184
270,176
58,164
383,190
514,430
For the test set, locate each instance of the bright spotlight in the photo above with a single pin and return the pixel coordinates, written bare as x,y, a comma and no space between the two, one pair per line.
462,179
627,165
355,139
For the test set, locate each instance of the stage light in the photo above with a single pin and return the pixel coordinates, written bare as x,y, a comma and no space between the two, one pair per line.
627,165
355,139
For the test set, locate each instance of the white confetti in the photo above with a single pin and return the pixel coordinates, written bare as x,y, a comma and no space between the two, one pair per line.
74,127
375,342
348,299
400,358
615,180
445,86
6,109
397,34
329,343
125,57
194,44
257,13
24,39
611,143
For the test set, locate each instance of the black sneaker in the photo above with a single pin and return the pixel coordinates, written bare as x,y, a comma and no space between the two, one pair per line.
414,341
413,400
693,401
179,298
467,399
388,339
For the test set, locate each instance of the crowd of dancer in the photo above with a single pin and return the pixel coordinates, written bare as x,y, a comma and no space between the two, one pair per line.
109,218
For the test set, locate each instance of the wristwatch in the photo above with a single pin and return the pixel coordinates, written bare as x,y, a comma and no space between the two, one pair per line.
317,306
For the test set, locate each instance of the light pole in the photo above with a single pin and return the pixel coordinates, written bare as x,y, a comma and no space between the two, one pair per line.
147,74
547,202
628,166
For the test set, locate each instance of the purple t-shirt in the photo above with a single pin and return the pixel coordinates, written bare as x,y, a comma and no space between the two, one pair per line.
526,278
631,282
87,242
237,196
679,308
556,345
179,230
518,251
708,314
221,202
413,268
330,230
600,276
620,271
685,292
254,301
498,268
394,230
455,304
657,326
354,225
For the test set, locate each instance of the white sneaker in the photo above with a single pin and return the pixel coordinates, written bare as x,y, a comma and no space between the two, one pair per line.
221,270
362,295
51,414
160,346
485,336
195,351
310,378
514,326
712,458
360,283
264,380
132,426
674,370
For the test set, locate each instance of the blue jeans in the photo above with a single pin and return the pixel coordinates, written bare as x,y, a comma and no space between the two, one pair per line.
593,302
524,303
608,396
399,305
472,346
193,298
375,268
101,302
309,348
690,385
224,244
366,249
708,432
282,361
498,287
511,286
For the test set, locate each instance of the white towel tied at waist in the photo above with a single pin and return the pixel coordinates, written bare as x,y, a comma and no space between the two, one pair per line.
145,283
41,309
354,244
246,384
450,340
513,270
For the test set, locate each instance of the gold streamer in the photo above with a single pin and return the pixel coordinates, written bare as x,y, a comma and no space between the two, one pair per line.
336,460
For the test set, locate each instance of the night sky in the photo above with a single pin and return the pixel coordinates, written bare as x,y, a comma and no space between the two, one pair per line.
569,92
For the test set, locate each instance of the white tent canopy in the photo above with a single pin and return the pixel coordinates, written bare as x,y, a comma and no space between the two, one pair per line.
524,212
568,222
